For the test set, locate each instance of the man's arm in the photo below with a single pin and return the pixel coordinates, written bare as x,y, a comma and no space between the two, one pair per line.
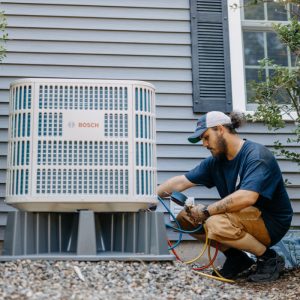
234,202
177,183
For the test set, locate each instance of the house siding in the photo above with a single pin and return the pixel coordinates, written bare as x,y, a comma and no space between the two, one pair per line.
135,40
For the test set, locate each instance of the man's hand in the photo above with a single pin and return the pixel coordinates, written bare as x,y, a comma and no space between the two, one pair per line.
195,213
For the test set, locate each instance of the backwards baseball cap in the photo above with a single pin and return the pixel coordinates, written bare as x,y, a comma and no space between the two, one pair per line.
211,119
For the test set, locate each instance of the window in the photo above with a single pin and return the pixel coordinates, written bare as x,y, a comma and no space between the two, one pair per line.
252,38
245,35
260,41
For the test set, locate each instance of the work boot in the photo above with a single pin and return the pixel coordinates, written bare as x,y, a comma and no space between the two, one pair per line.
236,263
268,268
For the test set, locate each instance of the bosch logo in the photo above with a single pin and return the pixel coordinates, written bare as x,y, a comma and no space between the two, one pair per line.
88,125
71,124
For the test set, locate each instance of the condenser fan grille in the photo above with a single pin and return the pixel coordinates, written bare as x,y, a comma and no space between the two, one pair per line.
83,97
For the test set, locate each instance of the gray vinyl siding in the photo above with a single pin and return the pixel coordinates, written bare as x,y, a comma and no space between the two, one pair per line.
134,39
139,40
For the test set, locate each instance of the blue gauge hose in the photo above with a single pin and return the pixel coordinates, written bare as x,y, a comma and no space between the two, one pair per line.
178,228
177,223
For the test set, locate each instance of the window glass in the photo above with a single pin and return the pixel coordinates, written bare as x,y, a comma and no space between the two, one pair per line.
293,59
253,47
295,10
276,12
253,12
282,96
252,75
276,51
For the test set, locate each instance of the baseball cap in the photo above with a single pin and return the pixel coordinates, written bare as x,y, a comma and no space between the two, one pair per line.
211,119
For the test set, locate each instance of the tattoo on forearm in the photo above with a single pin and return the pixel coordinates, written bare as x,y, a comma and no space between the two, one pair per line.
224,205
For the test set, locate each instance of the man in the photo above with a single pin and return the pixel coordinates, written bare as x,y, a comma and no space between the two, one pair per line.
254,212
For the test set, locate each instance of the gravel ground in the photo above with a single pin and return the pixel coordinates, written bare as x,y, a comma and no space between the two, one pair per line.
25,279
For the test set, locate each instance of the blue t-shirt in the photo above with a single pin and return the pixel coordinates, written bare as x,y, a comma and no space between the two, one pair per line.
254,169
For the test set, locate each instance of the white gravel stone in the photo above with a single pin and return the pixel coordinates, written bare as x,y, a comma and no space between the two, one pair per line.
129,280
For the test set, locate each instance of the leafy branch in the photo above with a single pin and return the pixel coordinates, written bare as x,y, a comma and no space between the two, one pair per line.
3,35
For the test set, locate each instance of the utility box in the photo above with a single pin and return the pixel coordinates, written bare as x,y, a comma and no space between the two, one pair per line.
81,144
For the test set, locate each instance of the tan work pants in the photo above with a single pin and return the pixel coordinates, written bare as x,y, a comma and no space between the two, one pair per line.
244,230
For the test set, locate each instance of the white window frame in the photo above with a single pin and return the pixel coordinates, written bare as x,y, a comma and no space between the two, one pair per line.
236,24
236,56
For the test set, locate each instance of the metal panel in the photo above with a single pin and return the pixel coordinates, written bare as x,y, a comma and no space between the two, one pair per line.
92,139
60,236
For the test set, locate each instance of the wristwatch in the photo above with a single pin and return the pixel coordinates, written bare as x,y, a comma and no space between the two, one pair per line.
205,212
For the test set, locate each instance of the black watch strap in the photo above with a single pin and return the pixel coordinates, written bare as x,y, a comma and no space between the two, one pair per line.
206,212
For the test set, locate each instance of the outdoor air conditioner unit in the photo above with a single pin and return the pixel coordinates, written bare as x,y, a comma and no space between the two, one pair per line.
81,144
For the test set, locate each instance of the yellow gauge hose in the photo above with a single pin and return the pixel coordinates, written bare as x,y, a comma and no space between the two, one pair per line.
207,245
214,277
202,251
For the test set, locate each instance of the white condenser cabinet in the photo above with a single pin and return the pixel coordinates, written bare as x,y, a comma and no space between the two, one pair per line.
81,144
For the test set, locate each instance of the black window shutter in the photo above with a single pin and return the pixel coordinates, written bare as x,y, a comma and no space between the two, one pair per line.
210,56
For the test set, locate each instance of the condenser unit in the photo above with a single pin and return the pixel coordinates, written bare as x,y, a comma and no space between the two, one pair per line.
81,144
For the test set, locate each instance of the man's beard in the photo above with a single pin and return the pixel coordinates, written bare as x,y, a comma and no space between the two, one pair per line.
222,149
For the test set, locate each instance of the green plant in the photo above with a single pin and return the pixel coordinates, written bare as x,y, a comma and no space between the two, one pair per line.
278,95
3,35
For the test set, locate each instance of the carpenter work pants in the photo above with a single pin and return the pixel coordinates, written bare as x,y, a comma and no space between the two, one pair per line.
244,230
